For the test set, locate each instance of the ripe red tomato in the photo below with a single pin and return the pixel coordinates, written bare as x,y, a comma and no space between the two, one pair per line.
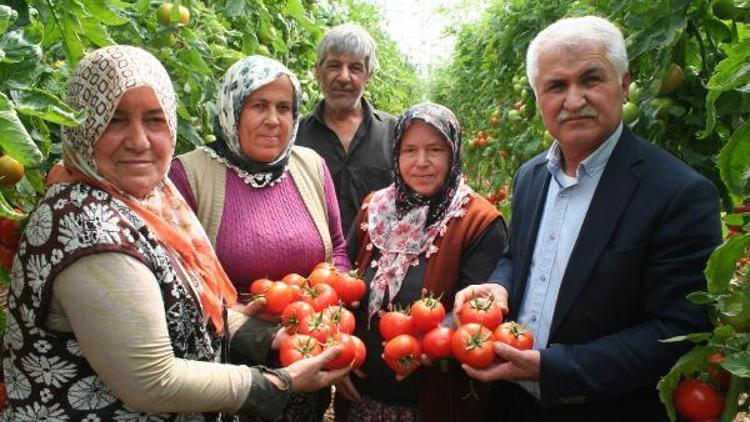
259,286
320,296
294,279
514,334
402,354
395,323
298,347
323,275
342,319
6,257
348,351
349,287
324,264
696,400
427,313
316,325
722,377
482,310
278,295
436,344
472,344
10,233
360,352
293,315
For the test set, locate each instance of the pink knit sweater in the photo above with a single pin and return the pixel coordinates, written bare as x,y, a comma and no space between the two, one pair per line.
268,232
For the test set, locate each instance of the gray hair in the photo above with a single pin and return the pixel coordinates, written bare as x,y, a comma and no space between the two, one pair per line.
352,39
576,31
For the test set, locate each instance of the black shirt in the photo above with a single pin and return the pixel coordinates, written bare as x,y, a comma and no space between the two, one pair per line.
368,165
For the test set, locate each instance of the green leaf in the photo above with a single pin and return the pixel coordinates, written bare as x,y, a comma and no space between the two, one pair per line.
14,139
194,61
689,363
20,64
186,130
738,364
693,338
9,211
45,105
236,8
733,71
710,113
722,263
700,298
7,17
102,12
96,32
734,161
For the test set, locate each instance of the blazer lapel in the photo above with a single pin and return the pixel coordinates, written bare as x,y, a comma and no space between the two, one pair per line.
612,195
533,204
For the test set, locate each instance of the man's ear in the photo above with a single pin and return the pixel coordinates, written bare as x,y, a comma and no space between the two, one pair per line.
317,72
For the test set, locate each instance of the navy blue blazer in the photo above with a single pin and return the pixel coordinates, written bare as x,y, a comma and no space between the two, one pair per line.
652,223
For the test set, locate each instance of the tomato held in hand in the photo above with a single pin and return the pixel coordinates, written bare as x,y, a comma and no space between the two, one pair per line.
472,344
293,315
348,351
696,400
320,296
298,347
427,313
316,325
294,279
323,275
402,354
342,319
278,295
514,334
436,344
360,352
349,287
481,310
259,286
395,323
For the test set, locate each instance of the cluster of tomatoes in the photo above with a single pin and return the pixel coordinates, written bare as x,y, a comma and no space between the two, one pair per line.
699,399
10,234
310,309
471,343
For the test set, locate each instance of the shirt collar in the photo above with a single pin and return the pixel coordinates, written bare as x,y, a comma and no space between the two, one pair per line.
593,164
366,110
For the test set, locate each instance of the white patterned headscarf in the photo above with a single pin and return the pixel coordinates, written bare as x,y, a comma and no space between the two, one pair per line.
240,81
100,80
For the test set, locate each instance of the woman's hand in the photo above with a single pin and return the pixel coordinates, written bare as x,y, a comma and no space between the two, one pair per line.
346,386
493,290
308,374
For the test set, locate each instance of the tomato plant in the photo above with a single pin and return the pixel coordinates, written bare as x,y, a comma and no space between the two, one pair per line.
697,401
293,315
296,347
482,310
427,313
402,354
514,334
395,323
472,344
436,343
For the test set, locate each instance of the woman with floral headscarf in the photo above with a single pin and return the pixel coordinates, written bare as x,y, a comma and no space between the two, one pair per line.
426,231
268,206
118,307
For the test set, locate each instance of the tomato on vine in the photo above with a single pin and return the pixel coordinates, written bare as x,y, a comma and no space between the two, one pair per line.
294,314
395,323
482,310
696,400
348,350
514,334
402,354
427,313
472,344
297,347
436,343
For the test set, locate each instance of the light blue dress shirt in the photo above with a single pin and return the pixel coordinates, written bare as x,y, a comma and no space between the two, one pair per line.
568,200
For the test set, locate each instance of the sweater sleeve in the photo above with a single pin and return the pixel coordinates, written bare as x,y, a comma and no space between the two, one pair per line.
339,256
178,176
121,327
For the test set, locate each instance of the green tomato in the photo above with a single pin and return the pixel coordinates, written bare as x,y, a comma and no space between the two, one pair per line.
634,92
673,81
630,112
514,116
548,138
164,13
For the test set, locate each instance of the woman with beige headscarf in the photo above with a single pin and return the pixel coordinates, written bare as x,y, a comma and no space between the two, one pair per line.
118,307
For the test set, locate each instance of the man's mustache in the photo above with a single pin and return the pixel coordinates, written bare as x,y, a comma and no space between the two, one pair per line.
587,111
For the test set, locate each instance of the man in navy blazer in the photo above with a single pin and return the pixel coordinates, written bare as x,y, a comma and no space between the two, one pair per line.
609,234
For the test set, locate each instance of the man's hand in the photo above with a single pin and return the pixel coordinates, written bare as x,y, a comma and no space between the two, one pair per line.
308,374
347,389
496,291
514,365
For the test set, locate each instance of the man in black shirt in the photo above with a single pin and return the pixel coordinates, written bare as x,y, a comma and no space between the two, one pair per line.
355,140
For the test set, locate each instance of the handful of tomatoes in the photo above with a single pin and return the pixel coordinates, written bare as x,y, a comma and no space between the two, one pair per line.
409,333
310,310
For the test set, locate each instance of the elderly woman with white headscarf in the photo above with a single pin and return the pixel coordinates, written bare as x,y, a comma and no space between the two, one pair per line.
118,307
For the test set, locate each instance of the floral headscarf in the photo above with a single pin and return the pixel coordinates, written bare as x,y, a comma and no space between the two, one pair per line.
404,224
99,82
240,81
